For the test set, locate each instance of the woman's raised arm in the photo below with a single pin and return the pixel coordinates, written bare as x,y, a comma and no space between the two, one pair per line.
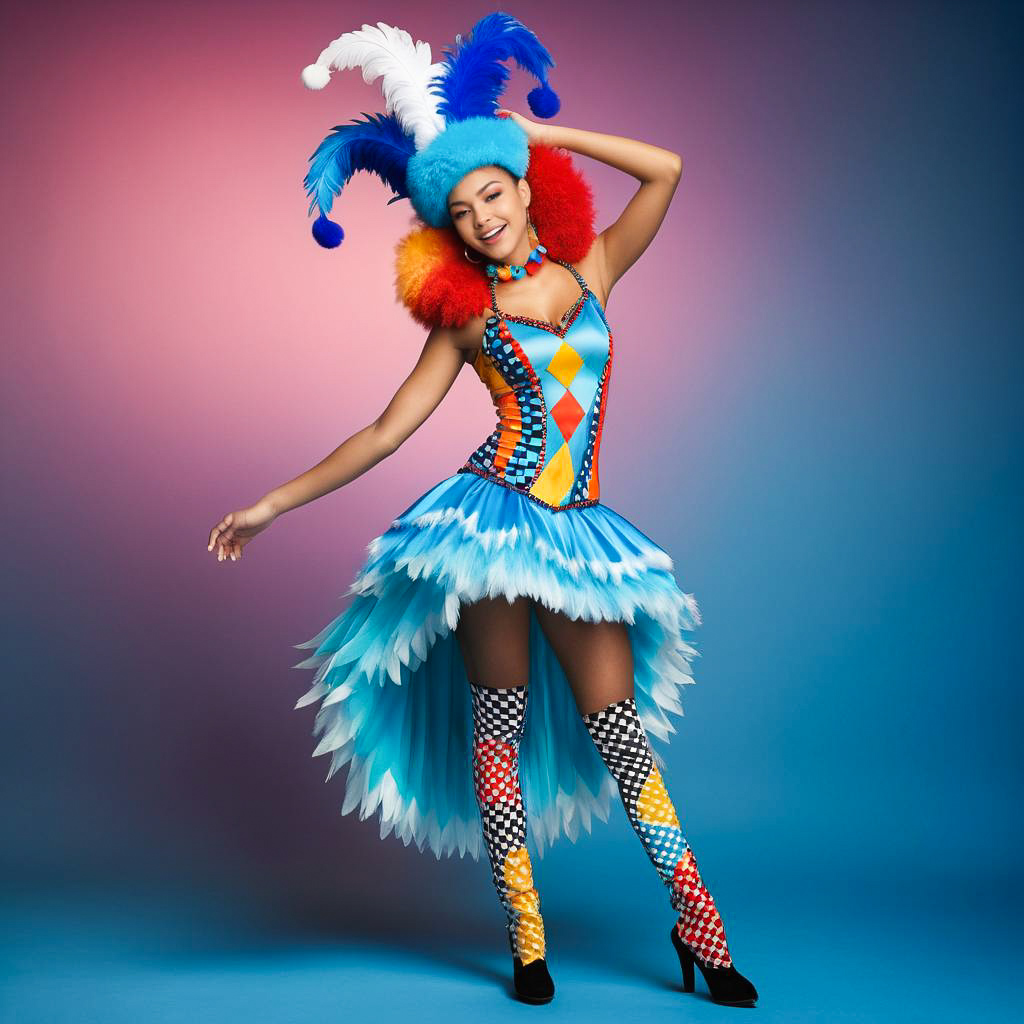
442,358
621,244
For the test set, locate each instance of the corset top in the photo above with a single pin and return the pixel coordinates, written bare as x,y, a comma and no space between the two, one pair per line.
549,386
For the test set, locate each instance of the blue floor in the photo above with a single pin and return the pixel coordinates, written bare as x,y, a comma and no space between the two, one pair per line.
943,954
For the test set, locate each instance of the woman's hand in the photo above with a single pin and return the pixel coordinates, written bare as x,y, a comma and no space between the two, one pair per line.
533,130
236,529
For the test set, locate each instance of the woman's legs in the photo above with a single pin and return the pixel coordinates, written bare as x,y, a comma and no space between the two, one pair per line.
597,659
493,635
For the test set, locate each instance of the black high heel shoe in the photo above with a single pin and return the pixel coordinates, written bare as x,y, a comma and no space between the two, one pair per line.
532,981
726,985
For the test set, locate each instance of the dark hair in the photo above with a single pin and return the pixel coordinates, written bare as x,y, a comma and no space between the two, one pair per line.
513,177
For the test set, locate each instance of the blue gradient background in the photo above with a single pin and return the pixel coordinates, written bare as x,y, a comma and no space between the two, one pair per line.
815,409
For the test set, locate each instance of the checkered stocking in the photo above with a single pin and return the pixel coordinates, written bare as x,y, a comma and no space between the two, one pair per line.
499,716
623,745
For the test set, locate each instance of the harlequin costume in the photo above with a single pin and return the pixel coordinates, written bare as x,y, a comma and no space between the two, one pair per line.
444,762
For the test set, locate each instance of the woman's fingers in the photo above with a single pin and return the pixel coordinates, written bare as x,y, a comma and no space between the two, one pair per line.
219,529
230,537
229,550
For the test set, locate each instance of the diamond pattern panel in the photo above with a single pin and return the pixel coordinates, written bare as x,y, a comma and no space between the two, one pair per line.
549,387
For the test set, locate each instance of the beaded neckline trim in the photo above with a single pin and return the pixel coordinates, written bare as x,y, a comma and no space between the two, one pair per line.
568,317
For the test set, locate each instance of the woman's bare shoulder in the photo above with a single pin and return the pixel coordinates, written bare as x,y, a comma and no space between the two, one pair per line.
468,337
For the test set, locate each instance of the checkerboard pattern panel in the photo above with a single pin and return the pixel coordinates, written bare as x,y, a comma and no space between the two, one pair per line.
514,450
499,718
622,742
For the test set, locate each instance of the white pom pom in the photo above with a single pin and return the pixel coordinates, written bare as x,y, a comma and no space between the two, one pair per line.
315,76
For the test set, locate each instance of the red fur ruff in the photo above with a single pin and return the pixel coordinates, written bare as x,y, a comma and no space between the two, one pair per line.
440,287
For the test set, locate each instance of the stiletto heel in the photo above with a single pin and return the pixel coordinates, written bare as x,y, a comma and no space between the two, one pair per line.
725,984
686,961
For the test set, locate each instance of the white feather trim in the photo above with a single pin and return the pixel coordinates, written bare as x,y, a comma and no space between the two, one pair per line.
495,540
389,52
570,814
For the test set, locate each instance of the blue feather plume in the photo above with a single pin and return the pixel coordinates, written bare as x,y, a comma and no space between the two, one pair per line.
475,76
379,145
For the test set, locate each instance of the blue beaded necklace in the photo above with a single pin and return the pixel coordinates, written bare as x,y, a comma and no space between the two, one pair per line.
513,271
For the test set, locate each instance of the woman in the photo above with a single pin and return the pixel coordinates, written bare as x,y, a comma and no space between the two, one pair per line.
508,585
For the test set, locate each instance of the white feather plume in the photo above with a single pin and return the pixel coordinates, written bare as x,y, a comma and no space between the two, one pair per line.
405,66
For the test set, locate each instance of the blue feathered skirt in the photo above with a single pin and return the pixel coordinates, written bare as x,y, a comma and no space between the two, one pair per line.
392,686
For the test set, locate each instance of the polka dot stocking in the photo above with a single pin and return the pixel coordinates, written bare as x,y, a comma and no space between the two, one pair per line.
623,745
499,716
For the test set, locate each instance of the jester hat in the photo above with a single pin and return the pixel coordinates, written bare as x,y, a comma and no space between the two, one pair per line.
439,124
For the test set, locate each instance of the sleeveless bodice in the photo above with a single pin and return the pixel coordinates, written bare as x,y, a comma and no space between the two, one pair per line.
549,386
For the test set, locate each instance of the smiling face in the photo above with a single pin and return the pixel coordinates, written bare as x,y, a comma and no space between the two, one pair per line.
487,198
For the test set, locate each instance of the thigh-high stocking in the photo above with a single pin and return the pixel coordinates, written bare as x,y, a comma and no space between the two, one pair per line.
488,628
498,718
622,742
597,661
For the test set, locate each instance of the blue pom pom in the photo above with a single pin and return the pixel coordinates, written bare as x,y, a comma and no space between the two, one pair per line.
327,233
544,101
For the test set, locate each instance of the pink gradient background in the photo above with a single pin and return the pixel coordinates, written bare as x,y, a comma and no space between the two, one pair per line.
181,345
792,414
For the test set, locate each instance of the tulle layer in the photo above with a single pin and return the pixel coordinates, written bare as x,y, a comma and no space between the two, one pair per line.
393,692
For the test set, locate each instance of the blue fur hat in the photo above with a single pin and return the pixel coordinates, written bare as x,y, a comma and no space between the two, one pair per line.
440,121
461,148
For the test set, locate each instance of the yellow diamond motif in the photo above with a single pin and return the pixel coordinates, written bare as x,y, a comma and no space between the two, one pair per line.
556,478
565,364
654,806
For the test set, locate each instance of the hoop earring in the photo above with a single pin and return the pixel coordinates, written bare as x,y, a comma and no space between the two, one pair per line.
466,254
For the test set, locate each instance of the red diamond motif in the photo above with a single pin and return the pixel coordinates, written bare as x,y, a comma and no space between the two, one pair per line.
567,413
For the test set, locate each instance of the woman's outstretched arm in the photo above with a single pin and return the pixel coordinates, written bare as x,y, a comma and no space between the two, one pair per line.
442,358
621,244
419,395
